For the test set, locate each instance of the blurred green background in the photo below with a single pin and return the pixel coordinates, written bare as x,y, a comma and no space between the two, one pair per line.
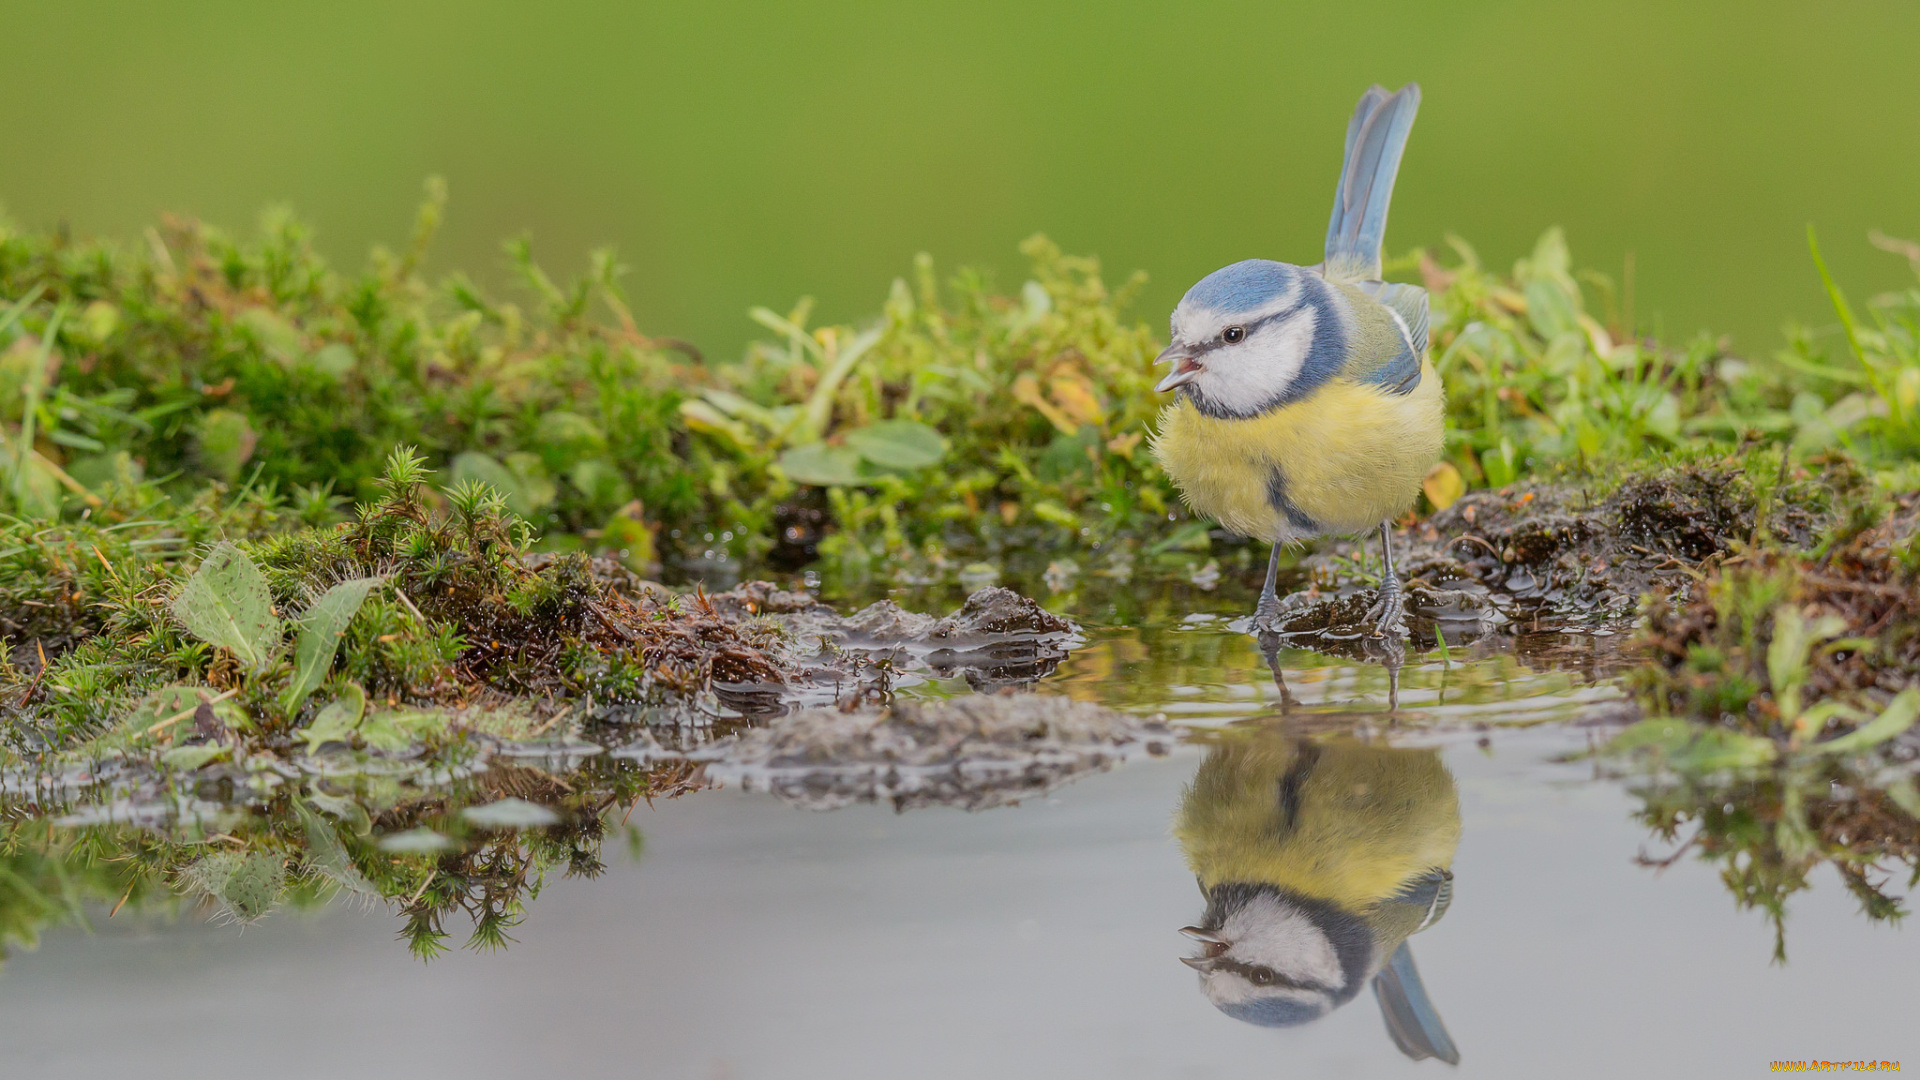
740,153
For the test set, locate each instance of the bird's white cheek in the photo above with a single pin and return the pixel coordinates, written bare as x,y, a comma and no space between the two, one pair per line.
1248,377
1276,935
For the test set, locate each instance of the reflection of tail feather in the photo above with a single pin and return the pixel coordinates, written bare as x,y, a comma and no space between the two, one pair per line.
1413,1023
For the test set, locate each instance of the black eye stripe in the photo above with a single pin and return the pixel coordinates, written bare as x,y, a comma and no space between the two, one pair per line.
1250,329
1255,973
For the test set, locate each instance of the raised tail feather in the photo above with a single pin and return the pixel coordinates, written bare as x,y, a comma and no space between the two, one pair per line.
1376,137
1412,1022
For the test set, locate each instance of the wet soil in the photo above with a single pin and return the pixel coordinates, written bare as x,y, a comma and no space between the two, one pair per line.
1544,557
973,752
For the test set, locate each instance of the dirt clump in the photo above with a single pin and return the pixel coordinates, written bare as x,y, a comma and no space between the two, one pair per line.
1553,557
972,752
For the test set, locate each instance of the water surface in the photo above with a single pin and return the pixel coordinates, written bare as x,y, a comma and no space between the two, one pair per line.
752,939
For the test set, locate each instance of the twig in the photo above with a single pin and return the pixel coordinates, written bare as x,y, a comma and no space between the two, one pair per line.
422,890
551,720
69,482
606,620
123,900
184,713
103,562
37,676
1661,864
1888,591
405,599
1469,536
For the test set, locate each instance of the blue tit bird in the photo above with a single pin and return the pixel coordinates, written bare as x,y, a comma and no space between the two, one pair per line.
1306,404
1317,861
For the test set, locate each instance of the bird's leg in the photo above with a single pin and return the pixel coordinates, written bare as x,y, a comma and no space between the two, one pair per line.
1270,649
1269,605
1388,614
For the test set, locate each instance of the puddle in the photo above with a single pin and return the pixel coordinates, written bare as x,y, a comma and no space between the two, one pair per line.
797,889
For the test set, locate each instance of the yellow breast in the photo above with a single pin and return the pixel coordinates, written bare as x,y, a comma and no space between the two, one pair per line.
1349,456
1365,818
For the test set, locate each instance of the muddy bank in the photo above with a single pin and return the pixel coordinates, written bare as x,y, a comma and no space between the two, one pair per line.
1537,557
972,752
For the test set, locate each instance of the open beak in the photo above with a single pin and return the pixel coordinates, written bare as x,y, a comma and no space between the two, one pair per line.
1185,368
1212,945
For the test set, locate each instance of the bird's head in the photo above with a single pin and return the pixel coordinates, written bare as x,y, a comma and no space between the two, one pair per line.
1249,337
1276,959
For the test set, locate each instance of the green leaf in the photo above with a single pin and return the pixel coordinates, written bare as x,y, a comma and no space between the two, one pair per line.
320,630
1906,795
1693,748
1193,536
1793,638
226,603
899,444
335,361
525,487
276,337
226,442
327,855
510,813
337,722
600,481
32,487
573,435
188,758
823,465
1050,511
396,730
1899,715
418,840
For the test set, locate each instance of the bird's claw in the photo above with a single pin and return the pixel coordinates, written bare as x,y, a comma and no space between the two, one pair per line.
1265,613
1388,615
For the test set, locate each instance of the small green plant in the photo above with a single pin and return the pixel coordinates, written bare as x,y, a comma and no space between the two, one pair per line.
1886,362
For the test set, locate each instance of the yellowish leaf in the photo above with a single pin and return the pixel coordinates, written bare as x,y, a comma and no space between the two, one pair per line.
1444,485
1075,396
1026,390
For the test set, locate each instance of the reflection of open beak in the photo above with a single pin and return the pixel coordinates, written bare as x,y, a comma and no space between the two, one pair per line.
1185,368
1211,944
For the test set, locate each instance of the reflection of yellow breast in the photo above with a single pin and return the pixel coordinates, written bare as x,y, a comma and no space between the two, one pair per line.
1365,818
1352,456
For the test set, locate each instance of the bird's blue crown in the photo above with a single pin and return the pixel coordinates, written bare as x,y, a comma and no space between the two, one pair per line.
1243,286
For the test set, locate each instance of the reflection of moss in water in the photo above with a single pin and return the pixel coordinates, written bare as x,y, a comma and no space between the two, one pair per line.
246,884
307,848
1768,832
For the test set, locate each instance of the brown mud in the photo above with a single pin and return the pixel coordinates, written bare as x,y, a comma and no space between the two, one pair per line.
1544,557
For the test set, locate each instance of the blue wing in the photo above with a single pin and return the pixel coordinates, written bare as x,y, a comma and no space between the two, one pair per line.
1376,138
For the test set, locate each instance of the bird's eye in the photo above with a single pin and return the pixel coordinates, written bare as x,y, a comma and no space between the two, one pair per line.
1233,335
1261,976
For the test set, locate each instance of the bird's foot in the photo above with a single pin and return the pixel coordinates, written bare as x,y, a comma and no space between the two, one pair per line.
1265,613
1388,616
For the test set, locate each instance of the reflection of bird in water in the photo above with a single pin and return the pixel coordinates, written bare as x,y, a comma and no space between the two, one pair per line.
1318,860
1390,653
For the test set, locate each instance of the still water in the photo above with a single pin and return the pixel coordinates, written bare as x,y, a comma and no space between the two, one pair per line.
750,938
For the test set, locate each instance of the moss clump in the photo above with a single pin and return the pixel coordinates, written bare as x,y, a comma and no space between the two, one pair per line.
193,358
1795,645
962,424
453,619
